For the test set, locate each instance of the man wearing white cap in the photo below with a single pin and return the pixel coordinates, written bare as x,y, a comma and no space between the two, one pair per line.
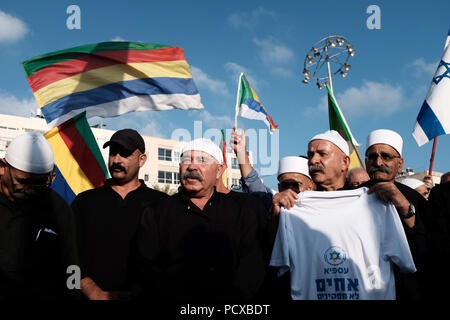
293,177
328,159
383,162
201,244
417,185
37,227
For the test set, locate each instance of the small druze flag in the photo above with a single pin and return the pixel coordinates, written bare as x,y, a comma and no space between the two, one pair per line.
434,116
338,123
248,105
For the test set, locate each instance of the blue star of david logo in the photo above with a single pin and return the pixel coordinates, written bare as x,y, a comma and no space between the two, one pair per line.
334,255
446,73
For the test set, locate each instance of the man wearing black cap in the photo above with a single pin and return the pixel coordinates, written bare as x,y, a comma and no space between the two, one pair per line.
108,217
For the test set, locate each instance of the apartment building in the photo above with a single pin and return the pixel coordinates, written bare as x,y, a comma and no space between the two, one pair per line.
160,171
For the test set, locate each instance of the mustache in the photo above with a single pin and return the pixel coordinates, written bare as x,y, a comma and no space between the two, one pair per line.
192,175
316,168
381,168
115,166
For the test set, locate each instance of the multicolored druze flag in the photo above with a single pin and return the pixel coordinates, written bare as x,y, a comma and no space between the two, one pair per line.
338,123
248,105
434,116
109,79
80,165
224,152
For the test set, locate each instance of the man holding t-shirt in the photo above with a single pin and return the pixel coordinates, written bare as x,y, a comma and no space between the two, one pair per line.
345,240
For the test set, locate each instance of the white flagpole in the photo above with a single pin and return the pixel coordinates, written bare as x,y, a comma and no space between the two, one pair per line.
237,101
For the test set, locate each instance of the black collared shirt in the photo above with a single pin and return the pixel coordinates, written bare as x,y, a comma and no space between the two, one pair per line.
37,244
185,253
106,225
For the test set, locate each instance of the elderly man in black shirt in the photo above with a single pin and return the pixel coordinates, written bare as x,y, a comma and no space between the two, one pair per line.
201,244
383,162
37,227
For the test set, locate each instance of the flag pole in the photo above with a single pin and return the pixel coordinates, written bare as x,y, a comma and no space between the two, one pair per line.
237,101
432,157
331,87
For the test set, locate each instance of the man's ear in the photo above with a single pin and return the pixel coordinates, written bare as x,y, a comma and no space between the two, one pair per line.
346,162
142,159
400,165
220,170
2,166
52,177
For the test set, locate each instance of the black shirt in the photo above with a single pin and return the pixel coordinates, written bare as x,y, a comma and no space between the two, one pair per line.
106,225
437,223
37,244
213,254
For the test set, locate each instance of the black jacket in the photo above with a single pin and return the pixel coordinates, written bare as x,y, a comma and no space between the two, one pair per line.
213,254
37,245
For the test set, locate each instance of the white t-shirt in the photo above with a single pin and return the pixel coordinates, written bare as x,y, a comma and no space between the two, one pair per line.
341,245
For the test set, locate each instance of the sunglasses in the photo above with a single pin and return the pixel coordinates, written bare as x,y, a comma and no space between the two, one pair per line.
383,155
291,184
30,184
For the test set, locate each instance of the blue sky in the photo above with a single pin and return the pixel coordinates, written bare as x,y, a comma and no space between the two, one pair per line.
268,40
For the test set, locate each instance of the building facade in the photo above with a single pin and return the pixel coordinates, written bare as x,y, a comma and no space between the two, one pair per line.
161,171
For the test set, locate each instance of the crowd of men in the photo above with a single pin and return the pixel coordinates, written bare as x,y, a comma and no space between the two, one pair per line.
207,243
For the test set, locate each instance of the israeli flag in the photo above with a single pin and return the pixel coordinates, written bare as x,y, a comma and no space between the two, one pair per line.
434,116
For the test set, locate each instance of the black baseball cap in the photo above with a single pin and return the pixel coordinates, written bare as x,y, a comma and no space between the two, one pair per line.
127,138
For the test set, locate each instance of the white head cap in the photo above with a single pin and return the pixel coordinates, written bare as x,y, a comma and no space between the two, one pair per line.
31,152
334,137
204,145
412,183
385,136
293,164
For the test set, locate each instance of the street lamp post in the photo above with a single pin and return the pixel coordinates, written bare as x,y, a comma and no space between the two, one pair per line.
334,51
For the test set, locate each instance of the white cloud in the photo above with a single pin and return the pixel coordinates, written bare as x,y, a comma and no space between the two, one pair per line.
249,20
421,68
153,129
118,38
203,80
372,99
275,55
12,29
12,105
216,121
272,51
235,71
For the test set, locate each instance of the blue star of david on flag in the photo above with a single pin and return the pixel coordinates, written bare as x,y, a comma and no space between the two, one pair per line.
446,74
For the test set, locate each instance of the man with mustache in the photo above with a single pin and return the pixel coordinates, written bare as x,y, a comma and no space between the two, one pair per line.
328,159
37,227
384,162
200,244
108,217
339,227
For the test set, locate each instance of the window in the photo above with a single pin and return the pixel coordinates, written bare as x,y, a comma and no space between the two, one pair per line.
176,156
235,182
164,177
176,178
145,177
234,163
164,154
167,177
